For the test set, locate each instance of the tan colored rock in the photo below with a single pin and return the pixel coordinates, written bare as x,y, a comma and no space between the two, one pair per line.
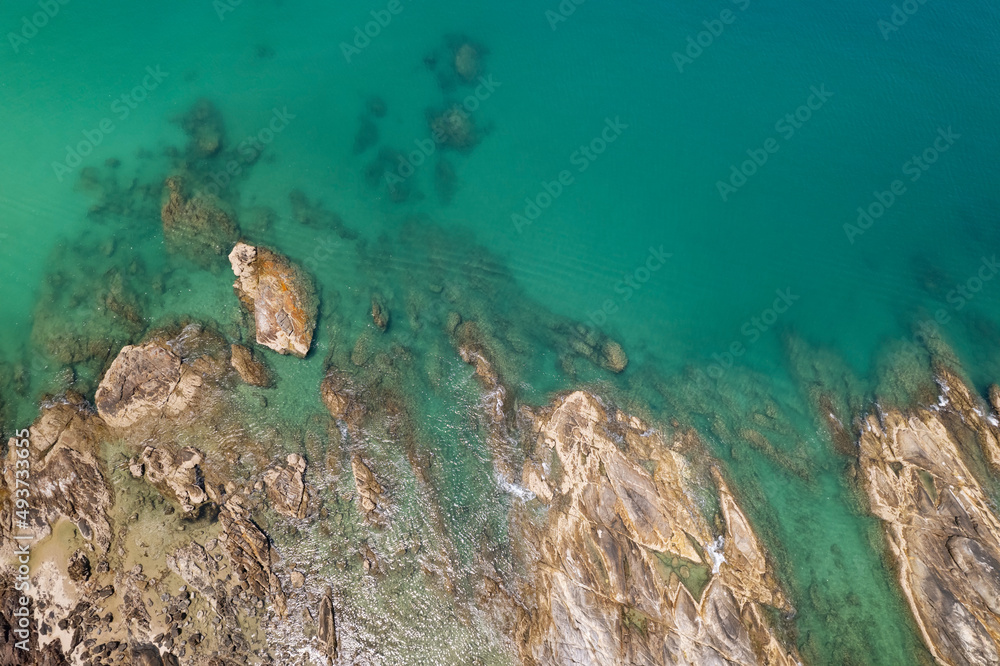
249,551
369,491
286,487
67,476
146,380
619,578
253,371
176,475
277,294
940,525
327,625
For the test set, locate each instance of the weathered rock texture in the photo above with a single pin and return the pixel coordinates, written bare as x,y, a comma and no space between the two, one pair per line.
146,380
630,571
942,532
175,475
286,487
369,491
67,479
279,297
196,226
249,550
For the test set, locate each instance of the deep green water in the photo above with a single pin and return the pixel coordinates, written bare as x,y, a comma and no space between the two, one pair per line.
848,328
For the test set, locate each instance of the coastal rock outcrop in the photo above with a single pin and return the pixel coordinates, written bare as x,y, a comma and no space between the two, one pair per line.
146,380
940,525
286,487
278,296
369,491
630,570
249,550
174,475
67,479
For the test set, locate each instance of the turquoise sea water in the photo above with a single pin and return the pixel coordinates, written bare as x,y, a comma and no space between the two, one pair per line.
850,305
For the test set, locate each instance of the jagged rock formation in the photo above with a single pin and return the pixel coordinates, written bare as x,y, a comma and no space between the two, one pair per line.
279,297
176,475
249,550
942,532
327,626
629,570
286,487
146,380
67,477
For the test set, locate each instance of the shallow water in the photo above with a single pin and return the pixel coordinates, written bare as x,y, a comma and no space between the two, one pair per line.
690,326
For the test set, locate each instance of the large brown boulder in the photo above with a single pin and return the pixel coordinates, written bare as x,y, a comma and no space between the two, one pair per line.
286,487
278,295
146,380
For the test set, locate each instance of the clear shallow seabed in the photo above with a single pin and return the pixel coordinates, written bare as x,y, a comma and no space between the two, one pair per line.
853,305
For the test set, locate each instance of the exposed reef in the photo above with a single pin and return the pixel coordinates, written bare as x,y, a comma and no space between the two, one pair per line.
630,569
919,474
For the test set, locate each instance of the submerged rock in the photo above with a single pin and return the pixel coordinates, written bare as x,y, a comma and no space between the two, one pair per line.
941,528
629,569
252,370
369,492
286,487
204,126
342,398
454,128
380,313
467,62
278,295
197,226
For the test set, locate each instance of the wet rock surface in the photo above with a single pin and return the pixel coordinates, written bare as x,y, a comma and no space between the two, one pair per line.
624,572
286,487
942,530
252,370
278,295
